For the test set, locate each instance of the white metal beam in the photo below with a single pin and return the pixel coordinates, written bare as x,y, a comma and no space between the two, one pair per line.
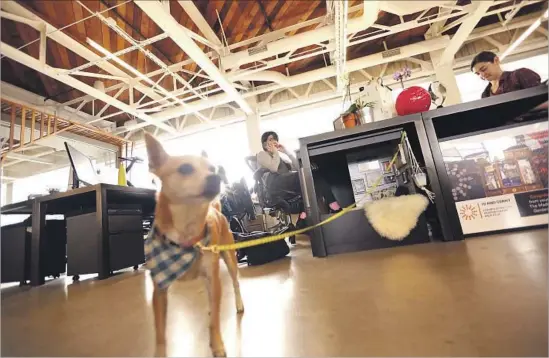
34,64
352,65
517,23
30,158
190,8
282,81
42,44
21,19
369,16
465,29
330,96
39,155
523,21
63,39
424,64
170,26
494,42
286,44
292,81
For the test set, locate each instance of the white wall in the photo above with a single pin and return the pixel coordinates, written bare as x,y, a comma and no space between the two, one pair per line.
302,124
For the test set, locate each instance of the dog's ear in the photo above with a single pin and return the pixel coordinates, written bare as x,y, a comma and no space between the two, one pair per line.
156,153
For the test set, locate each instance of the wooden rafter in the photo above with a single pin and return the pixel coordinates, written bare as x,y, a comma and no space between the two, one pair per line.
49,125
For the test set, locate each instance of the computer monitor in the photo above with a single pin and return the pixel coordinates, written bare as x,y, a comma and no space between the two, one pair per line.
82,167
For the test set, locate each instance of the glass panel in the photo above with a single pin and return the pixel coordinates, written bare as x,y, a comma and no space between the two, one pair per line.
499,179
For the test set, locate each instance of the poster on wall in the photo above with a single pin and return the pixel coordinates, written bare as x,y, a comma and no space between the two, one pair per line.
499,179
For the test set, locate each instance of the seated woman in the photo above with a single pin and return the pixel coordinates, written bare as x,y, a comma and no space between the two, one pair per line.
283,177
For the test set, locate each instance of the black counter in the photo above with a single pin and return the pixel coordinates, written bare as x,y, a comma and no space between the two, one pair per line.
473,121
329,152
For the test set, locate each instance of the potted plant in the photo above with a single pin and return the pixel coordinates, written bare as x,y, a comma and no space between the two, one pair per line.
351,117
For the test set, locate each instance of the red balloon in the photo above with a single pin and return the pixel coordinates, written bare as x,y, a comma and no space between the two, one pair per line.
413,100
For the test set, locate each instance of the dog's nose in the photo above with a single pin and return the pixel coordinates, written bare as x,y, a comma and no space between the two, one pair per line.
212,186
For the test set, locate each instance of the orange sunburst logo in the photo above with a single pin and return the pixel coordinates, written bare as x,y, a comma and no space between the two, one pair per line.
468,212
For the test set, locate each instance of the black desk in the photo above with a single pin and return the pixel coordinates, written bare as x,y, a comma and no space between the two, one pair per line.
477,117
20,208
97,197
347,236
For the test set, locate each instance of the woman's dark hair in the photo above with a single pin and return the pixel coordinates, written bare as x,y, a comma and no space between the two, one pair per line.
265,137
484,56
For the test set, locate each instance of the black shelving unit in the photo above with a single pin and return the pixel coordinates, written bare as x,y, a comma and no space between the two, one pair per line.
329,151
477,117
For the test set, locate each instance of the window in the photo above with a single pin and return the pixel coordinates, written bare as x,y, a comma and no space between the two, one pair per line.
226,146
297,125
40,184
36,184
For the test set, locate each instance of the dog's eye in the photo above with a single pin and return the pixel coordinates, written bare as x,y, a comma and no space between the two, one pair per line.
186,169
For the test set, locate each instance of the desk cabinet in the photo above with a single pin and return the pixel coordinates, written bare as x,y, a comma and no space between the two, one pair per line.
125,244
16,251
353,232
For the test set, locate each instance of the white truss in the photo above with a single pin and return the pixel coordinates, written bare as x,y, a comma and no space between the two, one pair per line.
182,103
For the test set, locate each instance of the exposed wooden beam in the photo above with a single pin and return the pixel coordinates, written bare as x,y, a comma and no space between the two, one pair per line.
33,125
196,16
265,16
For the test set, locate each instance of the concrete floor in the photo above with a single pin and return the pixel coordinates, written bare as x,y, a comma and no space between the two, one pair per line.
481,297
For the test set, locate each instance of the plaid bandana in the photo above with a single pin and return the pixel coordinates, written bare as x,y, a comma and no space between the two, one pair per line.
168,261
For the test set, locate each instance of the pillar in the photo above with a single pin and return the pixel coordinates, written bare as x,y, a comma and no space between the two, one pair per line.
9,193
253,131
445,74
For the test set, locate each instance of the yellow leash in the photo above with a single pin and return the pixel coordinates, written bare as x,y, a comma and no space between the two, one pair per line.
264,240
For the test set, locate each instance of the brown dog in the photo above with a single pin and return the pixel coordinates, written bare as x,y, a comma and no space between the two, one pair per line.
187,213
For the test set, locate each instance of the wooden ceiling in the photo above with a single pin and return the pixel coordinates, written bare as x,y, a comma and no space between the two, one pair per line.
241,20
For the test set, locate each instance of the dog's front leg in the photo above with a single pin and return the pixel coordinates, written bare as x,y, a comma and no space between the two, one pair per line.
213,284
232,264
160,309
